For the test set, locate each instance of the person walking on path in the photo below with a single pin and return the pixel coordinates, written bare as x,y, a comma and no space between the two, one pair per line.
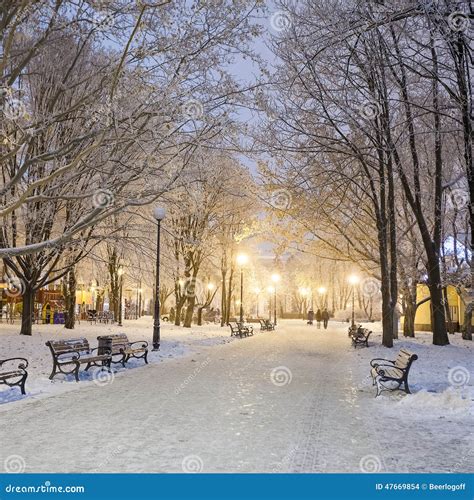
318,317
325,317
310,317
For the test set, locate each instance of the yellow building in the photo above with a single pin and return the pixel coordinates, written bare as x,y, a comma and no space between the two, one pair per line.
423,313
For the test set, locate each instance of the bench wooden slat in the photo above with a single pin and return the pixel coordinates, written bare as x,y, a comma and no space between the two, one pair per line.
14,373
403,358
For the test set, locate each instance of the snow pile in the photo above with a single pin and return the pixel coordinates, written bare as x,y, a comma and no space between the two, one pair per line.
426,404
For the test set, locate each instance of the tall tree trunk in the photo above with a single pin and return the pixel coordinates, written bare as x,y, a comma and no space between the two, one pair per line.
409,320
438,317
199,316
188,318
467,323
28,310
229,296
179,308
69,291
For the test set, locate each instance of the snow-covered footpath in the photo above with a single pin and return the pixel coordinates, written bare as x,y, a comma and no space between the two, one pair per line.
176,342
295,400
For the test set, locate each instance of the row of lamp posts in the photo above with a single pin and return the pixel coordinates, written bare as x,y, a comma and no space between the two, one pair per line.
242,259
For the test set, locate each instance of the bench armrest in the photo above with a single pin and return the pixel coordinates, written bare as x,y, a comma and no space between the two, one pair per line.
143,342
23,365
373,365
380,370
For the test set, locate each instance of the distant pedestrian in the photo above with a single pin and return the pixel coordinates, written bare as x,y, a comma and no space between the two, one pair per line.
325,316
310,317
318,317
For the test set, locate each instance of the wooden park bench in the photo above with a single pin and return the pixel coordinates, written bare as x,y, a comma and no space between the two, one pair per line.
269,324
246,329
239,329
266,325
120,347
73,353
389,375
14,376
92,316
353,330
361,337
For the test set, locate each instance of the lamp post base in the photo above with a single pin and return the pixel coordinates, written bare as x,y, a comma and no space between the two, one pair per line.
156,338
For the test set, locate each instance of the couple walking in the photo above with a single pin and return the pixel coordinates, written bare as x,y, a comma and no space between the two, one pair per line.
320,316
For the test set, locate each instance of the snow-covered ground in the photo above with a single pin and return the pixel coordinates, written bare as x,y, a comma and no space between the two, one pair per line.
176,342
295,400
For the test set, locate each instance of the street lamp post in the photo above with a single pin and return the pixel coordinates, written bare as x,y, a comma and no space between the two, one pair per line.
275,278
120,275
159,214
353,280
242,259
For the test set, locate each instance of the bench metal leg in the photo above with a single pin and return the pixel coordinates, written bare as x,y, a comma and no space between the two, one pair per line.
22,383
379,388
407,389
76,371
53,373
